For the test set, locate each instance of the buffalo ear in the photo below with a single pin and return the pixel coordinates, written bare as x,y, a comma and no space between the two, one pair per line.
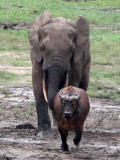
33,35
82,44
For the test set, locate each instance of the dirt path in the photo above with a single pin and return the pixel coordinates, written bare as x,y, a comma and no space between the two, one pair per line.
101,139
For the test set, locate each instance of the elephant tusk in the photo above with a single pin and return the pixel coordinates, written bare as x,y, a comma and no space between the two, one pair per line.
66,83
44,91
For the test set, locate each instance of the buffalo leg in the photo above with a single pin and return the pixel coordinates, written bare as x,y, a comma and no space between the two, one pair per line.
77,138
64,135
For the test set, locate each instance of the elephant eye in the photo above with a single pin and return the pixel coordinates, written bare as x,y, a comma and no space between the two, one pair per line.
42,47
72,49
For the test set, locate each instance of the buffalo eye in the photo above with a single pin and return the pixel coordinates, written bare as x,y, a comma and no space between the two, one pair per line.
74,103
62,102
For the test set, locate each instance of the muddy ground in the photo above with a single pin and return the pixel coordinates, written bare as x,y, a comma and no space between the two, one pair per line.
101,139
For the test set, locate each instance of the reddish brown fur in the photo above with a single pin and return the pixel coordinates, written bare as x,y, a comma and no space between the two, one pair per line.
76,122
84,101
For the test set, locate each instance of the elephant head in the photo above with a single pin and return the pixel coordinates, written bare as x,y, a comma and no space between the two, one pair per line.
61,46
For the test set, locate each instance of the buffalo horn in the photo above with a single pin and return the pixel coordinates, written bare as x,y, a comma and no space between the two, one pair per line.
67,97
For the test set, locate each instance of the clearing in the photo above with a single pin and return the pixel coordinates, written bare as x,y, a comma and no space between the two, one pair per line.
101,139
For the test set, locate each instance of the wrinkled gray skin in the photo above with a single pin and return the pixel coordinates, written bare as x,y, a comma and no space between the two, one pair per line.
58,46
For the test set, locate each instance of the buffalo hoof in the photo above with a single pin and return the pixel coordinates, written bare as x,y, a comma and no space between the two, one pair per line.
76,143
64,147
44,133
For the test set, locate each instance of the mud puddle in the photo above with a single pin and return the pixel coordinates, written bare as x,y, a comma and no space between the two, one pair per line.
101,139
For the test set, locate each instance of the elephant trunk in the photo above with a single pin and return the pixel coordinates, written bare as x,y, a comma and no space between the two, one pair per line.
56,78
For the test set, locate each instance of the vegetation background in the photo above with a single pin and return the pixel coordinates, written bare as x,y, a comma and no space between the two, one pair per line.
16,18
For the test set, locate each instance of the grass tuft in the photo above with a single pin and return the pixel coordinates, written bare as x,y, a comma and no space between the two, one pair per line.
4,91
7,77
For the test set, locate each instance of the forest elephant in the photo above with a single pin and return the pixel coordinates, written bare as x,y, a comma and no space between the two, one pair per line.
60,55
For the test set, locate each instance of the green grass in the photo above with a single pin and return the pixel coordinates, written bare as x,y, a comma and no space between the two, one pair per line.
16,61
31,113
105,47
104,18
25,11
4,91
105,66
99,90
1,110
12,40
7,77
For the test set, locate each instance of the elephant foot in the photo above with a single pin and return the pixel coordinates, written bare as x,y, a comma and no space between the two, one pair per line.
44,133
54,125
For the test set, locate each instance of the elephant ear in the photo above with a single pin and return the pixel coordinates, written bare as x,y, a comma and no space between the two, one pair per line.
33,35
82,46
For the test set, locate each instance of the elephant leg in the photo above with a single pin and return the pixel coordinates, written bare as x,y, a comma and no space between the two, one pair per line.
85,77
64,135
78,135
54,120
44,125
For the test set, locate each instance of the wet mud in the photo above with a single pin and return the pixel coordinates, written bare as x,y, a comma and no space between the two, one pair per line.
18,129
